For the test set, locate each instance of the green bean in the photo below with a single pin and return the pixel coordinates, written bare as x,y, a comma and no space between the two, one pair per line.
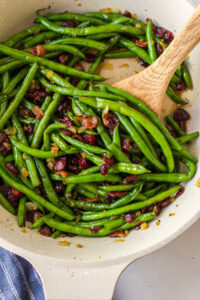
186,76
48,187
150,41
62,145
67,227
170,121
114,223
116,188
4,202
175,97
102,36
56,234
80,41
73,16
5,60
29,58
128,168
116,136
134,31
188,137
19,162
19,97
85,192
131,207
11,65
15,80
135,49
120,54
67,215
4,104
27,121
90,224
33,175
76,122
37,137
91,178
154,191
75,92
28,104
8,158
21,212
34,152
38,223
173,178
40,38
86,147
64,48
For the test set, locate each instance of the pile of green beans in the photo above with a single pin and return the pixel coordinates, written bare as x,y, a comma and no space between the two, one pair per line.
87,155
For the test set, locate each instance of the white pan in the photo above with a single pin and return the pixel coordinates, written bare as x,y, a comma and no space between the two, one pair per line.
92,271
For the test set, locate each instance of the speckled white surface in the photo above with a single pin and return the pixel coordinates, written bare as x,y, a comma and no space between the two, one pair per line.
171,273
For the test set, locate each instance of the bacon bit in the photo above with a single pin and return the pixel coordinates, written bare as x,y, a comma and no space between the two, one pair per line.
171,214
117,194
87,121
37,50
144,226
198,183
63,174
79,137
24,173
130,178
79,246
72,129
67,121
119,233
63,58
94,200
158,223
141,43
54,148
94,229
155,209
16,193
38,112
28,129
64,243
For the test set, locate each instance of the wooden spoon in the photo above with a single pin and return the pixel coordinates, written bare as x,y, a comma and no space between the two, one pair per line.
150,85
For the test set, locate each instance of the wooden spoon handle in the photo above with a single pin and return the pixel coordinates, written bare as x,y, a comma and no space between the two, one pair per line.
187,38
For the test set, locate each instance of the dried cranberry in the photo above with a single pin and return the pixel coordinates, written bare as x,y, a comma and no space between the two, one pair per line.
180,192
173,133
42,190
135,146
65,105
45,230
143,63
37,96
66,132
87,121
79,67
21,46
163,159
108,161
95,229
164,203
3,138
67,121
12,168
68,23
181,86
89,139
104,169
164,34
182,125
110,120
79,137
81,197
74,80
60,164
70,234
28,129
59,187
127,14
141,44
129,217
117,194
93,200
159,48
130,178
181,114
83,163
144,210
90,58
16,193
63,58
118,233
126,144
109,199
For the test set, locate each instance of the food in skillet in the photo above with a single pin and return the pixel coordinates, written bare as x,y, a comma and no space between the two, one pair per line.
93,159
